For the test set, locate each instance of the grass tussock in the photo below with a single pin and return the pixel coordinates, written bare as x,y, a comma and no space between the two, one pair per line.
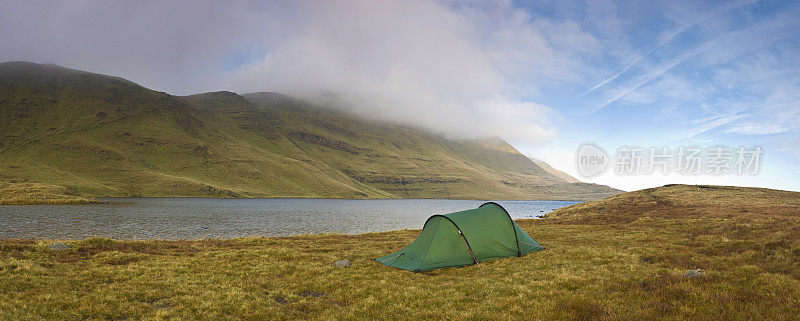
37,193
626,263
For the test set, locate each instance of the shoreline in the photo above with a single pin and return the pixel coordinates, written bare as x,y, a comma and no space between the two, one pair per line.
81,201
110,199
237,238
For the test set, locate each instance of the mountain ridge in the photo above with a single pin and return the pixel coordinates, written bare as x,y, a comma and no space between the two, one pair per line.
106,136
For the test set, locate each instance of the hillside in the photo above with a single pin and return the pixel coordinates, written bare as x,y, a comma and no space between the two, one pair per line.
557,173
670,253
678,201
33,193
101,136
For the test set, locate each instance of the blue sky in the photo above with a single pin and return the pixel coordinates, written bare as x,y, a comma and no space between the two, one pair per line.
683,74
547,76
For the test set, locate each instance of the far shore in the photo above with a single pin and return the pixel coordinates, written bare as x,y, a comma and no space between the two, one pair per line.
18,193
78,200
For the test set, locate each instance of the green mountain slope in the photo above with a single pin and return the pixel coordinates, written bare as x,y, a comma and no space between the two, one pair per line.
106,136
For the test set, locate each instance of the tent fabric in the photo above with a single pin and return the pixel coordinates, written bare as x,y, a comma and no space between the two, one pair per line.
463,238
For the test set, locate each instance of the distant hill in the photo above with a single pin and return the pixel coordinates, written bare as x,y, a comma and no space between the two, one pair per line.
101,136
677,201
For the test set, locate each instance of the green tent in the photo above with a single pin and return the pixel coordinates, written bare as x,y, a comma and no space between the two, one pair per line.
463,238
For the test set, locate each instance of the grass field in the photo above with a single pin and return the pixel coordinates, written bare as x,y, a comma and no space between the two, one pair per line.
34,193
619,259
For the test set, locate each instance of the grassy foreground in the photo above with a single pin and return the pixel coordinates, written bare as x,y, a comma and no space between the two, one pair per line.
621,258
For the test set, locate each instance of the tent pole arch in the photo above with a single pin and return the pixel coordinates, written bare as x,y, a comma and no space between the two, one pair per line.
513,228
460,233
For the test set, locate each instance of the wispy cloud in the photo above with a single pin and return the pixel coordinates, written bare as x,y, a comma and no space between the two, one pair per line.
658,71
719,50
773,118
693,21
703,125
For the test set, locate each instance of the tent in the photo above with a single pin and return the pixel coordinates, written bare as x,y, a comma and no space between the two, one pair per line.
463,238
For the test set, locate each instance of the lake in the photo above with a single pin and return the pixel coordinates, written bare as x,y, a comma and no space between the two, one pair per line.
193,218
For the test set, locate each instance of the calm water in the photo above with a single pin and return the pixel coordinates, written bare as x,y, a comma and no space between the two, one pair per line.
192,218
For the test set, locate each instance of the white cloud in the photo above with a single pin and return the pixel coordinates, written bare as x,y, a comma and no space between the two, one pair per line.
454,69
709,72
166,45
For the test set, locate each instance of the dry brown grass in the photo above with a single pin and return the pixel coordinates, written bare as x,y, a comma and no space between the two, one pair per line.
685,202
620,259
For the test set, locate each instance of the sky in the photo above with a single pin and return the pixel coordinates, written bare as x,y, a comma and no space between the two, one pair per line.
547,76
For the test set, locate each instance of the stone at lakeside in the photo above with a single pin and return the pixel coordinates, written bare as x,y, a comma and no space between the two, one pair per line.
58,246
342,263
694,273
